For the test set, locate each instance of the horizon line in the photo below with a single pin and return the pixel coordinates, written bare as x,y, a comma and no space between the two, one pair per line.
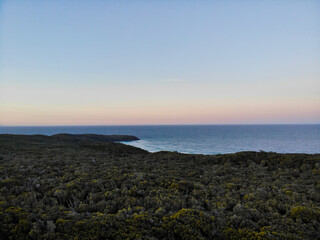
195,124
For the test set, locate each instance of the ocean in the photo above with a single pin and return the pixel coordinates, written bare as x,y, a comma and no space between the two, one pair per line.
201,139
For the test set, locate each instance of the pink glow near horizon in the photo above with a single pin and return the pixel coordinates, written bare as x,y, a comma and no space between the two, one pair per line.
182,115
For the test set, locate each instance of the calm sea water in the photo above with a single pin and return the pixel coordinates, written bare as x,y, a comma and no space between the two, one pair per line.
205,139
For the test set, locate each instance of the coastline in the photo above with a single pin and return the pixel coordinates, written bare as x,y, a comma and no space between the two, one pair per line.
202,139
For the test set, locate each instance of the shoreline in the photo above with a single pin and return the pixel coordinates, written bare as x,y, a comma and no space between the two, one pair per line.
205,139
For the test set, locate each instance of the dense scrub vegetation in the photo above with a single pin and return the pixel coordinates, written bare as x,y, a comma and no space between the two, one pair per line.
92,189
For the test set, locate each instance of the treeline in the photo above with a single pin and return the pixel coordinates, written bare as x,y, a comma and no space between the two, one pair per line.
112,191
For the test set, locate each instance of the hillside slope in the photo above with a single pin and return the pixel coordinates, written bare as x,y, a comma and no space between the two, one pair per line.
81,187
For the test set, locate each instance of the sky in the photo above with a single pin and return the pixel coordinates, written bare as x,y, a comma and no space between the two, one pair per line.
119,62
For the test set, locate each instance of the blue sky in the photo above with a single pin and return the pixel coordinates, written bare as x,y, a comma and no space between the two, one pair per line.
159,62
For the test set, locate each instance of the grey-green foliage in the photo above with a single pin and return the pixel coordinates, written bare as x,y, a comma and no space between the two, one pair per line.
99,190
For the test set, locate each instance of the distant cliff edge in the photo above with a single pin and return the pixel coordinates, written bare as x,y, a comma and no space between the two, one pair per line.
95,137
70,138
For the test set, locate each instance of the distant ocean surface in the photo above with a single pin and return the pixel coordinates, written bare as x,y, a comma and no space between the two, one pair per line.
203,139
